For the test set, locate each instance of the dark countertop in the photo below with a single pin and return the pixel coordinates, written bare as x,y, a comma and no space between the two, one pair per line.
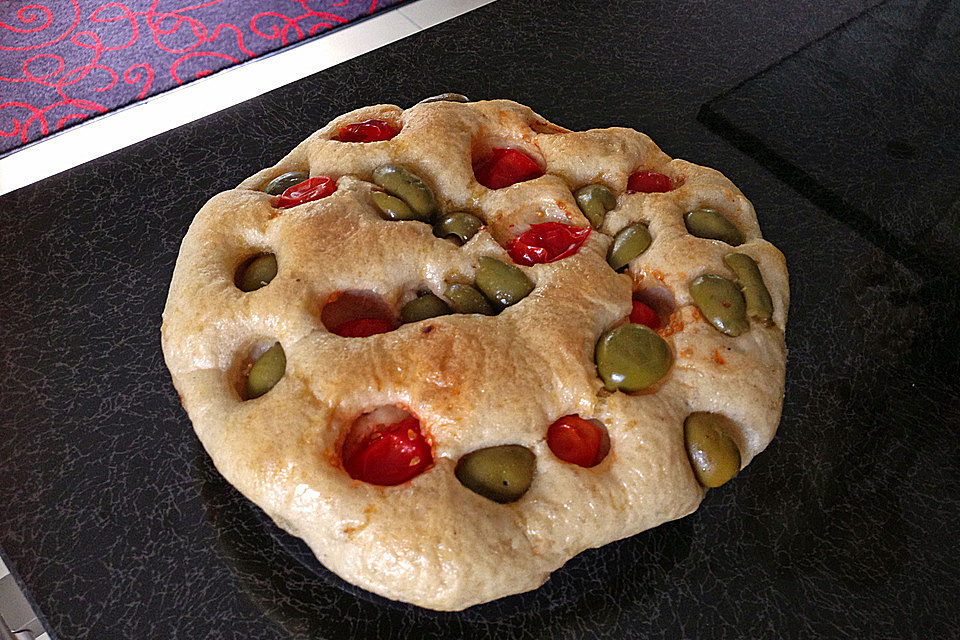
846,527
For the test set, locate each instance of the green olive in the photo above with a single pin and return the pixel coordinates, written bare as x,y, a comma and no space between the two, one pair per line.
446,97
713,454
466,298
632,357
257,272
502,473
458,225
283,182
707,223
595,200
404,184
426,306
755,293
266,371
502,283
392,208
721,303
627,245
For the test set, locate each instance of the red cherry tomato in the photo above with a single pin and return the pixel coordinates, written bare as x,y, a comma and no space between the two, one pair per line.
505,167
547,242
367,131
648,182
573,439
307,191
642,314
363,327
391,454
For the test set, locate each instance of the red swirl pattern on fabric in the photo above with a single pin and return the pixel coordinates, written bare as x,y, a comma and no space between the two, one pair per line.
63,61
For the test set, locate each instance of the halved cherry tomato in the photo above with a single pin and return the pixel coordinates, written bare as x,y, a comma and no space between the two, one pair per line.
573,439
547,242
307,191
363,327
642,314
367,131
648,182
505,167
390,454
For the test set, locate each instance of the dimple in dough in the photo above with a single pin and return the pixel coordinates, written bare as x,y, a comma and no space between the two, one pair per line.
473,381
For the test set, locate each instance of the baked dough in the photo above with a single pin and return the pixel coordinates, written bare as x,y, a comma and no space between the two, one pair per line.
473,381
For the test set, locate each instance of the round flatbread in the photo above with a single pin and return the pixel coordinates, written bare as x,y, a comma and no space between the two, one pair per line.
326,266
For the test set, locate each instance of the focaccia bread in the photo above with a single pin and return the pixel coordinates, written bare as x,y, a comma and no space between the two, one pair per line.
454,345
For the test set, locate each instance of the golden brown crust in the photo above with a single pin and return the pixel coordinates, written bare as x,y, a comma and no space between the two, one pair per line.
473,381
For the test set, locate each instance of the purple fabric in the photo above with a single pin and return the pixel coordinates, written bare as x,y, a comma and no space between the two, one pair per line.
63,61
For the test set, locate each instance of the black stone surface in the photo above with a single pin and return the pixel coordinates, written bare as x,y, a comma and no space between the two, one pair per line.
884,89
119,527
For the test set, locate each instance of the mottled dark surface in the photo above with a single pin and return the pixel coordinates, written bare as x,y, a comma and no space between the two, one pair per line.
885,91
846,527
